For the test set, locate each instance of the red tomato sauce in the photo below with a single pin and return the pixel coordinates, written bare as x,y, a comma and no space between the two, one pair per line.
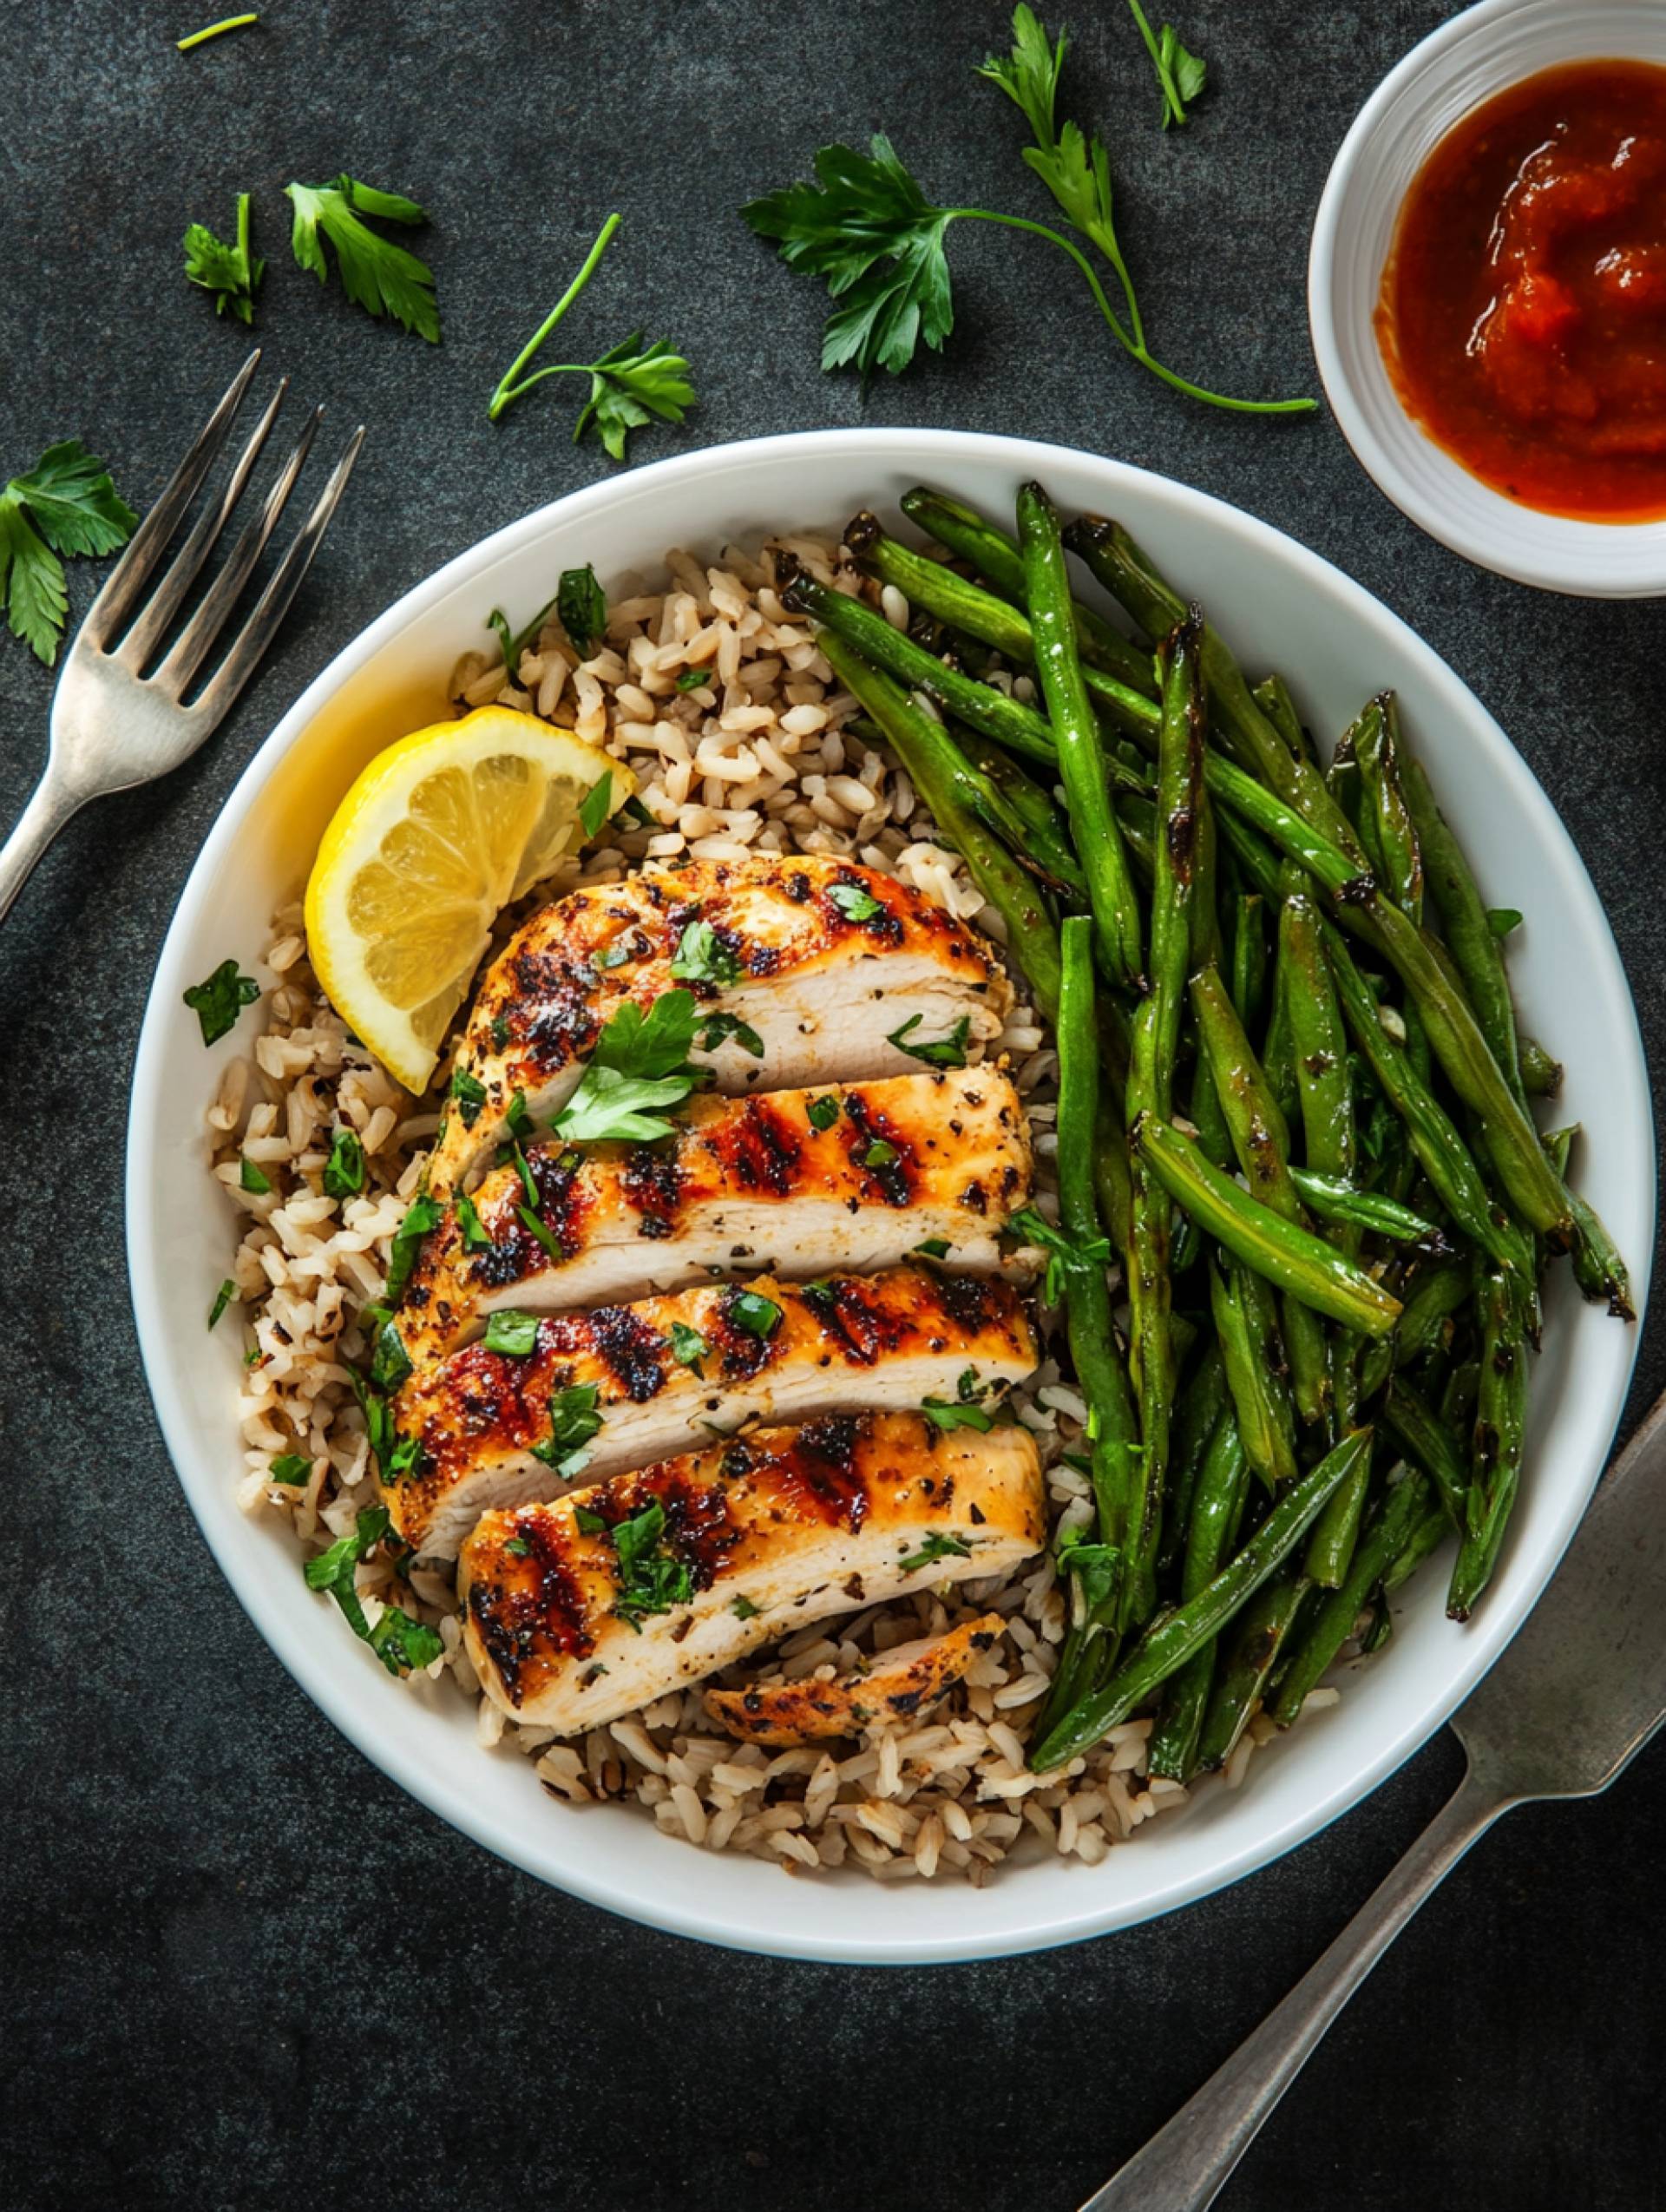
1523,312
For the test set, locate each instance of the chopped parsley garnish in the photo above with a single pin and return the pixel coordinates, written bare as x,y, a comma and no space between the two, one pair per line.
855,903
651,1580
404,1645
824,1113
1503,919
250,1177
518,1548
470,1094
397,1640
499,1032
232,273
628,384
293,1469
546,1236
634,810
65,504
695,680
614,955
588,1522
1062,1252
582,604
528,1181
518,1120
935,1248
420,1214
934,1547
744,1609
757,1315
640,1061
597,803
477,1238
1093,1564
688,1348
398,1456
219,999
223,1297
512,1331
343,1171
390,1362
573,1421
721,1026
880,1154
384,278
946,1051
702,957
945,1416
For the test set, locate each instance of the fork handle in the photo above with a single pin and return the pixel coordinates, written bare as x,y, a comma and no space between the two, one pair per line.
1184,2168
50,805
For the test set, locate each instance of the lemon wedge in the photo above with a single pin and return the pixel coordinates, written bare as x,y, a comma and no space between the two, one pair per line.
437,836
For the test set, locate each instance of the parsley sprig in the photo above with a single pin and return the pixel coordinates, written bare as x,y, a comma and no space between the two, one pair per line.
232,273
867,230
1063,1253
640,1062
66,504
1180,75
384,278
629,384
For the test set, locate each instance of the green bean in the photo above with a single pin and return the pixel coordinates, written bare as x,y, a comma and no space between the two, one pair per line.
1252,741
1261,1138
1477,953
1262,1631
1541,1076
1347,1206
995,555
1272,696
1430,1533
1289,1258
934,765
1241,1332
1248,958
1217,1509
1121,684
1081,755
1342,776
1330,1547
1171,1640
1434,1294
1598,1268
1277,1046
1394,842
1026,816
1426,1440
1196,1415
1379,1545
991,713
1500,1421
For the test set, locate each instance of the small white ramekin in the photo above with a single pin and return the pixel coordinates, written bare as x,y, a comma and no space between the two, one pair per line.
1467,61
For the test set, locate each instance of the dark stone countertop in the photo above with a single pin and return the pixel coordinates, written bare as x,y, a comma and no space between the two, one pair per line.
240,1968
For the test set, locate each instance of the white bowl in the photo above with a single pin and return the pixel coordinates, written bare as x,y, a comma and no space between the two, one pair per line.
1283,607
1467,61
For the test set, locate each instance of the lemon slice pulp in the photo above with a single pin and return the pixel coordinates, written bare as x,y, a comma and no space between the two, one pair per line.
441,832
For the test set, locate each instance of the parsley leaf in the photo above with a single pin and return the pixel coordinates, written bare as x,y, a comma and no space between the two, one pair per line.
824,1113
343,1171
935,1248
1503,919
855,902
420,1214
542,1232
232,273
573,1421
640,1061
1180,75
402,1643
1093,1564
66,504
651,1580
948,1052
880,1154
719,1028
757,1315
744,1609
629,384
702,957
597,803
518,1548
688,1348
945,1416
582,606
470,1094
588,1522
384,278
252,1178
934,1547
477,1237
696,680
293,1469
1063,1253
390,1362
397,1640
223,1298
219,999
511,1332
517,1119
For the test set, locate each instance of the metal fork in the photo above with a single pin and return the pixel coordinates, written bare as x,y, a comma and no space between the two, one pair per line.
113,725
1571,1703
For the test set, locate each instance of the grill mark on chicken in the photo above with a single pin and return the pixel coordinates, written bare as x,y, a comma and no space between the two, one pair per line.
652,1183
759,1148
894,1180
632,1351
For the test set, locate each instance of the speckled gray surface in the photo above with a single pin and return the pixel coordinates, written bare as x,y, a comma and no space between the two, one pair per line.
240,1968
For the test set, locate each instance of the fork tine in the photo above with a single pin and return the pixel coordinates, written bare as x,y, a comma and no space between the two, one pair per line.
133,571
191,648
258,630
164,603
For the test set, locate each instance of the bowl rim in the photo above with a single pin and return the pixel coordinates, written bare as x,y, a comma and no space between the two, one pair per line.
313,1663
1516,542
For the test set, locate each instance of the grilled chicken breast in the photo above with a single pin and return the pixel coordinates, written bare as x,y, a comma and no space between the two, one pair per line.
577,1611
667,1373
820,959
799,1182
899,1684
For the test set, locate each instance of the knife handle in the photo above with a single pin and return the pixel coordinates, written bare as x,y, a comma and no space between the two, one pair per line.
1184,2167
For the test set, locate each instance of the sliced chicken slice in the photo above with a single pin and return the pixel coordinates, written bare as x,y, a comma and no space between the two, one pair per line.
898,1684
671,1373
577,1611
820,960
799,1182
